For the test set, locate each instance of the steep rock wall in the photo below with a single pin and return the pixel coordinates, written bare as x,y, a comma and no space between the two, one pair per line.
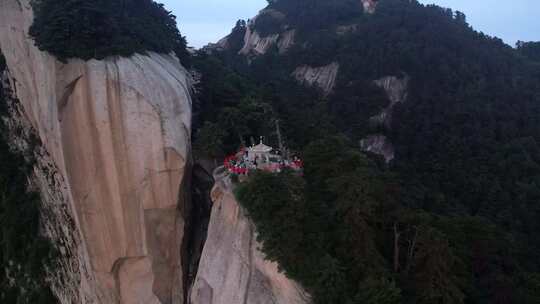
70,269
396,89
323,77
378,144
286,40
232,270
255,45
117,133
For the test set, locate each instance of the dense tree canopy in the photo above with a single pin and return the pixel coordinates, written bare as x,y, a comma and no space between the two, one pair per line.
99,28
343,233
530,49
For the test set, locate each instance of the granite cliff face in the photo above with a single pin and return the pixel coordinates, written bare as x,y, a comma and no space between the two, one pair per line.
396,89
112,167
378,144
255,45
323,77
232,269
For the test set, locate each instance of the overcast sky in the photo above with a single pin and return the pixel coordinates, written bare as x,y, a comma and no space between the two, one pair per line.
204,21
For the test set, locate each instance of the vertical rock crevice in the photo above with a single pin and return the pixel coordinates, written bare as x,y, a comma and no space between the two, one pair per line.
196,231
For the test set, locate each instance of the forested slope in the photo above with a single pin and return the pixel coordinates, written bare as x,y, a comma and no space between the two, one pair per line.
453,217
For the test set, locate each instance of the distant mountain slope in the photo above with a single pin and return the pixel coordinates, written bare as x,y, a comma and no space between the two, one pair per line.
454,113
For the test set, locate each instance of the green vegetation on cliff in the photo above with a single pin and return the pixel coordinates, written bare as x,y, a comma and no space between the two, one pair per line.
530,50
306,15
327,230
24,253
99,28
454,217
343,232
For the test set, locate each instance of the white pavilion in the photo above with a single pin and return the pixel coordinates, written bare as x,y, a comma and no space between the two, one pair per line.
260,153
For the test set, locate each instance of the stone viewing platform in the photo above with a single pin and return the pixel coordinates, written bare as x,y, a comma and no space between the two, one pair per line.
260,157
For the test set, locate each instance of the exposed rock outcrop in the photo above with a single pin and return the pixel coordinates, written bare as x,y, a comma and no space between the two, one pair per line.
346,29
255,45
380,145
116,144
395,87
222,45
369,6
323,77
286,40
232,270
396,91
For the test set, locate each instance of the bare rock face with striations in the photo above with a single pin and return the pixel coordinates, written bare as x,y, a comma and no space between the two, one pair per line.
116,136
232,270
286,40
323,77
396,89
255,45
378,144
